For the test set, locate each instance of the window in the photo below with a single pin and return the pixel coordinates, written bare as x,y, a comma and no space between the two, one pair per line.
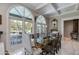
20,11
16,32
41,24
28,27
20,23
41,28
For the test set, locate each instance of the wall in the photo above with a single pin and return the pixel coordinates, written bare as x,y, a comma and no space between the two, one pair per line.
3,27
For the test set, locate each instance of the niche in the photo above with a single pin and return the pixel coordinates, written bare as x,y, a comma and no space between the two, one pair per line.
54,24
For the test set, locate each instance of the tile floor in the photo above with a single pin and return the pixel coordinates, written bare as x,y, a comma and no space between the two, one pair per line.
69,47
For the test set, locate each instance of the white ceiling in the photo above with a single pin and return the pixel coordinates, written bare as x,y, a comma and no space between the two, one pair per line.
51,9
61,5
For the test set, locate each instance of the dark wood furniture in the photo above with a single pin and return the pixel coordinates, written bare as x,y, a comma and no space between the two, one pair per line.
53,45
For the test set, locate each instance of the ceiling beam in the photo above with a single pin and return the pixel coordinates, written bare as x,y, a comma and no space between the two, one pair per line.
48,12
29,8
55,9
68,12
65,7
41,6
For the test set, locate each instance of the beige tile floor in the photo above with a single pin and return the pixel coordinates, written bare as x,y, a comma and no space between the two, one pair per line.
69,47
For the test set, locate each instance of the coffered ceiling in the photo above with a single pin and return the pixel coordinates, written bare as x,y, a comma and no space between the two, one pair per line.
51,9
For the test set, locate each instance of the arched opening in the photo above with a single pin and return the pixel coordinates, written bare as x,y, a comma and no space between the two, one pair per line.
41,28
20,24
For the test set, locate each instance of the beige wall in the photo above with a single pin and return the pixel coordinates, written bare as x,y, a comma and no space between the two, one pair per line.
68,28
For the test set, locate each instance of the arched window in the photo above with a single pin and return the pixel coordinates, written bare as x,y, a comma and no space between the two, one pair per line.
20,11
20,23
41,28
41,24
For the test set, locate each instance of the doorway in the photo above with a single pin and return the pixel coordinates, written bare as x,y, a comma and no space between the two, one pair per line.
20,28
68,29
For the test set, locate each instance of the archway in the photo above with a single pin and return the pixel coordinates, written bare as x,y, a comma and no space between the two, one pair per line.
20,27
